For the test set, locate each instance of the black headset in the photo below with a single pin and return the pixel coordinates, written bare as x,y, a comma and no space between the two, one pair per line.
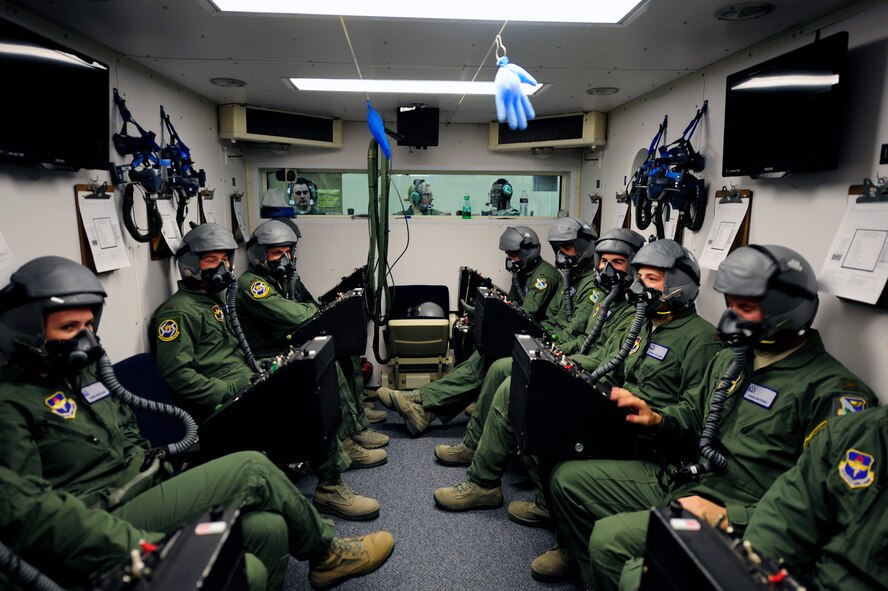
415,195
506,187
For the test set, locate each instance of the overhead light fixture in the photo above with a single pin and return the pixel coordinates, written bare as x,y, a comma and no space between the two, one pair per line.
43,53
555,11
744,11
788,80
411,87
228,82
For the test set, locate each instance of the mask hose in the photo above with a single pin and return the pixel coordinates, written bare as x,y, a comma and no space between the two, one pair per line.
23,573
568,297
620,357
106,375
231,310
520,289
292,285
615,290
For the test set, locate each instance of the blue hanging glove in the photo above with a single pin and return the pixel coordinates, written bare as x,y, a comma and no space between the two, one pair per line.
511,103
377,128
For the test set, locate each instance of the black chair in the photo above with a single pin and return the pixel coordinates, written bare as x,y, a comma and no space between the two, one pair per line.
418,344
140,375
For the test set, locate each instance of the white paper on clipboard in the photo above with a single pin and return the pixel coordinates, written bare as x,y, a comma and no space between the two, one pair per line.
102,229
620,215
856,265
240,214
726,223
169,230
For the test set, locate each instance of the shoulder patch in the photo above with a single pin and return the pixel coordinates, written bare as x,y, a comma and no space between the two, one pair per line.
168,330
61,405
857,469
850,404
259,290
218,314
594,296
540,283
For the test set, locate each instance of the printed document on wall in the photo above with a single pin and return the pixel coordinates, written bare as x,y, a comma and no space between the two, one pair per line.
856,266
726,223
620,215
240,215
170,229
103,233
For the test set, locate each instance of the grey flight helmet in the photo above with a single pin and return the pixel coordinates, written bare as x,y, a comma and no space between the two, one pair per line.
269,234
568,230
525,242
781,279
427,310
621,241
203,238
681,270
39,286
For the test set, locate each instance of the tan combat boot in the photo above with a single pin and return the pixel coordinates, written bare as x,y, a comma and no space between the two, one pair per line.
351,557
362,457
385,396
468,495
471,408
374,416
415,416
334,497
370,439
454,455
551,566
529,514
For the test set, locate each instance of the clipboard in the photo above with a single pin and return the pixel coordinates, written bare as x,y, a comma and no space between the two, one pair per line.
240,234
93,191
870,192
202,196
158,247
728,230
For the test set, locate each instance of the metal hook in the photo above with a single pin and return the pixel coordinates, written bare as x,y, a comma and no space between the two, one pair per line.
499,45
96,191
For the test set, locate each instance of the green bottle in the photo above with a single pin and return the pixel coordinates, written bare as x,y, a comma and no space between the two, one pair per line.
467,208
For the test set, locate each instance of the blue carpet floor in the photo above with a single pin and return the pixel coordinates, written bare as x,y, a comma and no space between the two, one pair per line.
436,549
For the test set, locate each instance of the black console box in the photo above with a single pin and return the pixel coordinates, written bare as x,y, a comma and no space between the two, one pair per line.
683,553
557,411
354,280
345,319
497,320
469,282
290,412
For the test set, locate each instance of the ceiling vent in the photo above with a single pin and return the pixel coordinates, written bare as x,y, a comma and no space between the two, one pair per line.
242,123
743,11
574,130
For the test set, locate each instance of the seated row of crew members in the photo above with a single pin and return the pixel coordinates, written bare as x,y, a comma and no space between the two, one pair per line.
204,363
757,403
81,486
573,242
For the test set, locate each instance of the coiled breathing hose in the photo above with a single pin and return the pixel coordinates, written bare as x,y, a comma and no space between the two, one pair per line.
23,573
520,289
231,310
615,290
568,296
620,357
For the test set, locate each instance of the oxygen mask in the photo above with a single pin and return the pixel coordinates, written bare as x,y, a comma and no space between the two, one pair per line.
514,266
737,332
566,262
608,276
281,267
69,356
642,294
216,278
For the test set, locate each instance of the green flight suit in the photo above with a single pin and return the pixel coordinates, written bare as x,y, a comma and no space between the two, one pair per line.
459,387
202,362
827,517
268,318
689,342
601,505
497,443
83,442
586,297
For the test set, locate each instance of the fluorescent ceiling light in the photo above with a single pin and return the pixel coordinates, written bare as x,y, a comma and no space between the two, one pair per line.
21,49
552,11
792,80
404,86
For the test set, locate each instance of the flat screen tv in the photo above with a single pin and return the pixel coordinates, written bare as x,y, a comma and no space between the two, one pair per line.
55,103
784,115
418,126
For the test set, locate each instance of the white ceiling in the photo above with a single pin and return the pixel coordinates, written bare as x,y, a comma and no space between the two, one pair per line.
189,42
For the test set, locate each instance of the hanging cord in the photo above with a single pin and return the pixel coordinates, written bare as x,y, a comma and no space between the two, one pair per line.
614,292
620,357
520,288
352,50
497,43
109,379
231,310
568,296
155,221
24,574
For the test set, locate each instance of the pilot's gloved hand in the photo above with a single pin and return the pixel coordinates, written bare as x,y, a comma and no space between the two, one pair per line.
377,128
511,103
